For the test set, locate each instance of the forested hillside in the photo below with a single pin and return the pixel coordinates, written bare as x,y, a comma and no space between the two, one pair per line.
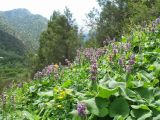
19,35
27,26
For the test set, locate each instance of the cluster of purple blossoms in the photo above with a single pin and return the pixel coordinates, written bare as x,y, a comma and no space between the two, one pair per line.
20,85
127,46
132,59
55,71
131,62
3,98
46,71
93,69
121,61
81,108
91,53
155,23
108,40
68,62
99,52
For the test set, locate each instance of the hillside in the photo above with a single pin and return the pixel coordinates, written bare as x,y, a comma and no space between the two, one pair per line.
27,26
10,46
12,52
119,81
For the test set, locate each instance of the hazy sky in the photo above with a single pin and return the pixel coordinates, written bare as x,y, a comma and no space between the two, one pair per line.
46,7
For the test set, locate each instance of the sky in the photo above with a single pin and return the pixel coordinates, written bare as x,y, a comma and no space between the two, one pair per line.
79,8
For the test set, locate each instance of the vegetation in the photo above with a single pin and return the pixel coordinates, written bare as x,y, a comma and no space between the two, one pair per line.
60,40
119,81
19,35
117,78
27,26
117,16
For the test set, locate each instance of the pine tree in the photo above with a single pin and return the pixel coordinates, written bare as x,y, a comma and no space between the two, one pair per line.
60,40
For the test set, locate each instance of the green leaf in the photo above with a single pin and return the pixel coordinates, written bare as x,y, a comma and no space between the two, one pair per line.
141,114
27,115
67,83
75,115
145,93
48,93
32,89
119,107
97,106
118,118
104,92
141,106
157,117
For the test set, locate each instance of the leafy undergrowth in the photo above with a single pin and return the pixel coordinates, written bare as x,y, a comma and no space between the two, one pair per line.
119,81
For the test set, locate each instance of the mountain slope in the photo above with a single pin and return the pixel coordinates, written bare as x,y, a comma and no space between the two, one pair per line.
117,82
27,25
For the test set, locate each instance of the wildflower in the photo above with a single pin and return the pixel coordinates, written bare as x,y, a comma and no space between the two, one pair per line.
115,51
93,78
56,89
93,69
132,59
3,98
55,71
110,58
120,61
68,62
128,68
68,91
104,42
12,99
59,106
81,108
62,95
128,46
131,62
56,66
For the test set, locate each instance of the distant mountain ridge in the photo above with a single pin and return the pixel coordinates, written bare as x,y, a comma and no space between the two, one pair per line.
26,25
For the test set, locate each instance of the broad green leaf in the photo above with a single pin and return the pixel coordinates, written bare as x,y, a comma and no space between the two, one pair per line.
119,107
32,89
104,92
141,114
97,106
48,93
67,83
141,106
75,115
157,117
27,115
118,118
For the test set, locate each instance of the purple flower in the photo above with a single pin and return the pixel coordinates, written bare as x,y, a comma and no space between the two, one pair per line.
68,62
104,42
20,85
132,57
81,108
110,58
128,68
93,78
131,62
128,46
120,61
115,51
93,69
3,98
